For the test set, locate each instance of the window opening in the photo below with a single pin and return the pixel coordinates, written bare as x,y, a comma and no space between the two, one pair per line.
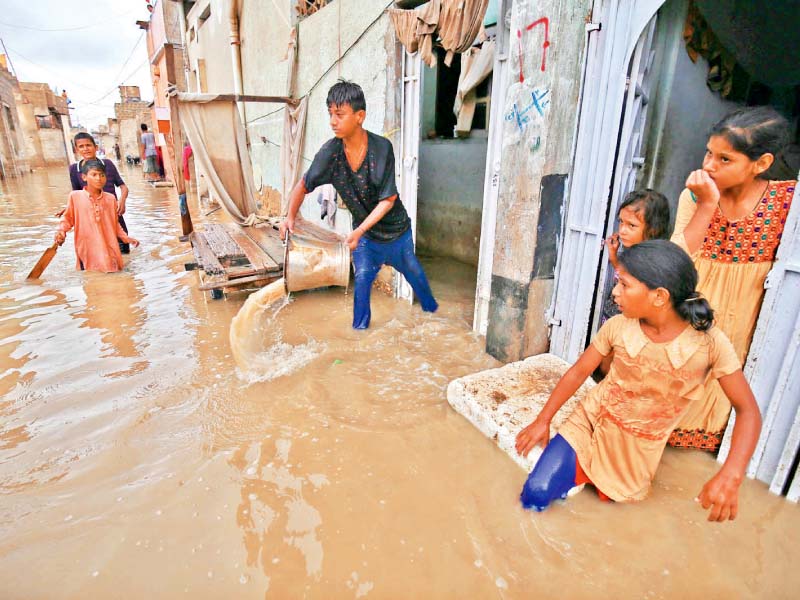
204,16
9,118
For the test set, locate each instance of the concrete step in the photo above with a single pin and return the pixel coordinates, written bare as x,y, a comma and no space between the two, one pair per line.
500,402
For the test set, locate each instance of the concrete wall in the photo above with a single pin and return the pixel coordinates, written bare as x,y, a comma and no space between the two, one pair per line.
540,118
372,63
450,197
208,41
32,145
42,147
264,39
130,115
12,147
53,150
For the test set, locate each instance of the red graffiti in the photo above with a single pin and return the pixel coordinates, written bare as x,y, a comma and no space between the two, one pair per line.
545,44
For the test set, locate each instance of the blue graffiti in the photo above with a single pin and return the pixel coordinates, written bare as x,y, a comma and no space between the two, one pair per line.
539,100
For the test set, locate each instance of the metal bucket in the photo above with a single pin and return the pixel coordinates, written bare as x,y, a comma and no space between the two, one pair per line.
310,262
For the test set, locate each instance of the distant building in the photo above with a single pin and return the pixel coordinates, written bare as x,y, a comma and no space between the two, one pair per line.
130,113
44,119
167,67
106,135
12,157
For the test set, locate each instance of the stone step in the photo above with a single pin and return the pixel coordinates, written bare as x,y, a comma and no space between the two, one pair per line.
500,402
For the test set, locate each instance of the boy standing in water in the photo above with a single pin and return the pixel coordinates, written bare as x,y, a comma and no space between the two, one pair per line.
87,149
93,214
360,165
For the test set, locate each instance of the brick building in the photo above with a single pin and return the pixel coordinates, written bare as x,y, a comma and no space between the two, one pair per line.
12,159
45,125
106,135
130,113
165,50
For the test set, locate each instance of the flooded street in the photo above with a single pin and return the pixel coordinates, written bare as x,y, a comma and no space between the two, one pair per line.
136,462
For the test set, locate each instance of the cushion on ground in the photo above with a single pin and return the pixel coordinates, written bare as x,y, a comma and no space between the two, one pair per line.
500,402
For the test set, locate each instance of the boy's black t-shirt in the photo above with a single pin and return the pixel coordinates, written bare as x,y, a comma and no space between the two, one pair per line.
361,190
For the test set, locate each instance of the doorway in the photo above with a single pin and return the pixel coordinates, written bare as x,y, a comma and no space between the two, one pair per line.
685,101
450,195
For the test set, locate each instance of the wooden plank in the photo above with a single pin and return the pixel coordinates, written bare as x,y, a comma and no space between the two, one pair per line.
221,243
205,256
268,240
262,279
189,97
257,257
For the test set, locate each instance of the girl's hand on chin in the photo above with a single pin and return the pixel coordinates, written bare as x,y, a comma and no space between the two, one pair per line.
703,187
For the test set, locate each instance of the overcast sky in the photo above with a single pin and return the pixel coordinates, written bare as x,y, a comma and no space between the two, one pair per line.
88,47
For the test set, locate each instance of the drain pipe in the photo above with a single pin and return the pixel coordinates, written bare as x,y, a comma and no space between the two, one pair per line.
236,56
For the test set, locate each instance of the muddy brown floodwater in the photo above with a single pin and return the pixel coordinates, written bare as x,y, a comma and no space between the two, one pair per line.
135,462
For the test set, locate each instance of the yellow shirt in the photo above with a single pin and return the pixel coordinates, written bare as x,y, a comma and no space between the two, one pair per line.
620,429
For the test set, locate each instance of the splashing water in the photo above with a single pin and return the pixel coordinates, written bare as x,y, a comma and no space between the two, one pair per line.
257,342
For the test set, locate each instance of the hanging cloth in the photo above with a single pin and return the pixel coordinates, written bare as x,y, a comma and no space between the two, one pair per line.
457,22
476,65
723,71
460,23
294,133
405,24
223,158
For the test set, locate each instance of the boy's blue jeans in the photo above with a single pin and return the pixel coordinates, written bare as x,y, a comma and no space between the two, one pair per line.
369,256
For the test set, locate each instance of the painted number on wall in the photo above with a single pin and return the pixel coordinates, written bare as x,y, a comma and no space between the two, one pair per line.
545,44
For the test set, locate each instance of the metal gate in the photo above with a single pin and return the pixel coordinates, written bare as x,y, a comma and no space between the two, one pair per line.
773,370
491,185
630,149
608,58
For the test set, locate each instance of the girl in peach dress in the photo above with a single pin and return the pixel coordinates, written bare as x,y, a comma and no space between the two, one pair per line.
664,349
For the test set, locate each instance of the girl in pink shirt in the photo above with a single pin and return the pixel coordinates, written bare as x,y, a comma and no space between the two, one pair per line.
93,214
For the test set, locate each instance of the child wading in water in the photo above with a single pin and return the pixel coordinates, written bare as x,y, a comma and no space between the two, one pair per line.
664,349
93,214
360,165
87,148
642,215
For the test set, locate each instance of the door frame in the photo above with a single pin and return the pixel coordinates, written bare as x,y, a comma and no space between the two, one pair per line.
408,162
608,54
491,183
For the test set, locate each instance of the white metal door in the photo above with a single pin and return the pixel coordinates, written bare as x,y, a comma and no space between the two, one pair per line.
608,56
630,149
773,369
408,168
491,184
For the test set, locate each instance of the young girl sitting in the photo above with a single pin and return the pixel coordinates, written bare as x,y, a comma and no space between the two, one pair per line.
93,214
642,215
664,349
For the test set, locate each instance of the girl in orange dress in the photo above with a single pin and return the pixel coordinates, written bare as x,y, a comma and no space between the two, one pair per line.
93,214
664,349
730,220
